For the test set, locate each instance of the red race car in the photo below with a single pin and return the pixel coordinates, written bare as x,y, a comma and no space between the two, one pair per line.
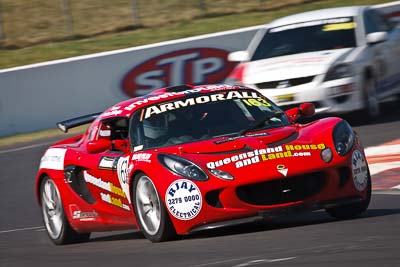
186,158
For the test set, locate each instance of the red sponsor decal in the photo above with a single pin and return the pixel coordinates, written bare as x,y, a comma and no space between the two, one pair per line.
190,66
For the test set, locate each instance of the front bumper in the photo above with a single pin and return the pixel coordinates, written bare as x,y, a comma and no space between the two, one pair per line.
337,96
281,211
242,202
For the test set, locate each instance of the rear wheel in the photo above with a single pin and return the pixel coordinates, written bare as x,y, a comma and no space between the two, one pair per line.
370,99
151,214
352,210
57,226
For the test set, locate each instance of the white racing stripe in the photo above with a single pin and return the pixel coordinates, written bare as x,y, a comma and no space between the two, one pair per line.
382,150
22,229
386,192
261,261
247,263
25,147
376,168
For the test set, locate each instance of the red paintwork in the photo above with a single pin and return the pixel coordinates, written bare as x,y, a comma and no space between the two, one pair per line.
111,217
237,73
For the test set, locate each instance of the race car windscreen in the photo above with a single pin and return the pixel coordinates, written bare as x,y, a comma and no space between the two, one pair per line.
305,37
203,116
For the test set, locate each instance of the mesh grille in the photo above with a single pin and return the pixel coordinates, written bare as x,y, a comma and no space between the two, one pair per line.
289,189
285,83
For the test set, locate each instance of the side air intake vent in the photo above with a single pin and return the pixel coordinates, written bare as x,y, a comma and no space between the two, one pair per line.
74,178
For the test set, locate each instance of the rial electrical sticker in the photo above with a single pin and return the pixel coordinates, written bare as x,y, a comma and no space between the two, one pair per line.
360,170
183,199
53,159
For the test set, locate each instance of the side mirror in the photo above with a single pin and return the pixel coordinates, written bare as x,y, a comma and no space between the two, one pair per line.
305,110
239,56
293,114
98,146
376,37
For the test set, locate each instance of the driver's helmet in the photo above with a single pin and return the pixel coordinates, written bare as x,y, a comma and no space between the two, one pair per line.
156,126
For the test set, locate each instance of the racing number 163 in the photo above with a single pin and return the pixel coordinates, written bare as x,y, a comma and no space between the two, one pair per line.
256,102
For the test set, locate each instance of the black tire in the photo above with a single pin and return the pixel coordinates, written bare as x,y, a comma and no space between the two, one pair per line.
371,109
352,210
148,205
63,233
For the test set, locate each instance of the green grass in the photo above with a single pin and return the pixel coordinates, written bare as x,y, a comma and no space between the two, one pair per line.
210,22
24,138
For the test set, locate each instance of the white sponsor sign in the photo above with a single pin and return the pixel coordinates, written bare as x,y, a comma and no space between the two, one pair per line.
183,199
123,175
360,170
53,159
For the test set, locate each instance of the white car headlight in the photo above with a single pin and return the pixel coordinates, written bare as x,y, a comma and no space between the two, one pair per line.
339,71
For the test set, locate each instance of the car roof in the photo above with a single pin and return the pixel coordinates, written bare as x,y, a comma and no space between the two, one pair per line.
320,14
126,108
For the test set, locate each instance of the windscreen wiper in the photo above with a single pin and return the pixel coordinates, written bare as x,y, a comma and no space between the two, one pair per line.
261,122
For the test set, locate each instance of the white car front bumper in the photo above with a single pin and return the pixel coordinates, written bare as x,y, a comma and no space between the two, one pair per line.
337,96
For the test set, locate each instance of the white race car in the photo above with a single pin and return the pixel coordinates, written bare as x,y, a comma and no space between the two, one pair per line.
341,59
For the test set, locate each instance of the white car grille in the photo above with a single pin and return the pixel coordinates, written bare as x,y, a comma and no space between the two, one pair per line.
284,83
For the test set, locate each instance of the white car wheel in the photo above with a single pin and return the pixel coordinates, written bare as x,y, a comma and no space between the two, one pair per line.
371,102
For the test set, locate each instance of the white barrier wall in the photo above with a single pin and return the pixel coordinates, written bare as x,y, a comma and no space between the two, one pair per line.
37,96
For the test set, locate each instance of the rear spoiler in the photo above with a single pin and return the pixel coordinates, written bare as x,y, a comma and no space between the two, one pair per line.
71,123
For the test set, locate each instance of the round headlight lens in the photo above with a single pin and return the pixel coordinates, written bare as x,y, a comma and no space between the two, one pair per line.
343,138
182,167
326,155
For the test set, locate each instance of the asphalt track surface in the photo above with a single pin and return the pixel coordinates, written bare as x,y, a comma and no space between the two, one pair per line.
309,239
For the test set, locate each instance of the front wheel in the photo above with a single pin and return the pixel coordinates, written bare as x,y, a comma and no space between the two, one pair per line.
151,214
57,226
352,210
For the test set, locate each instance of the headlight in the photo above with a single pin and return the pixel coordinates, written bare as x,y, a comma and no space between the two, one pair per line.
221,174
182,167
326,155
343,138
339,71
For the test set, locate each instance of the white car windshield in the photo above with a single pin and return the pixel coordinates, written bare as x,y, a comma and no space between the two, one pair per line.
204,116
307,36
